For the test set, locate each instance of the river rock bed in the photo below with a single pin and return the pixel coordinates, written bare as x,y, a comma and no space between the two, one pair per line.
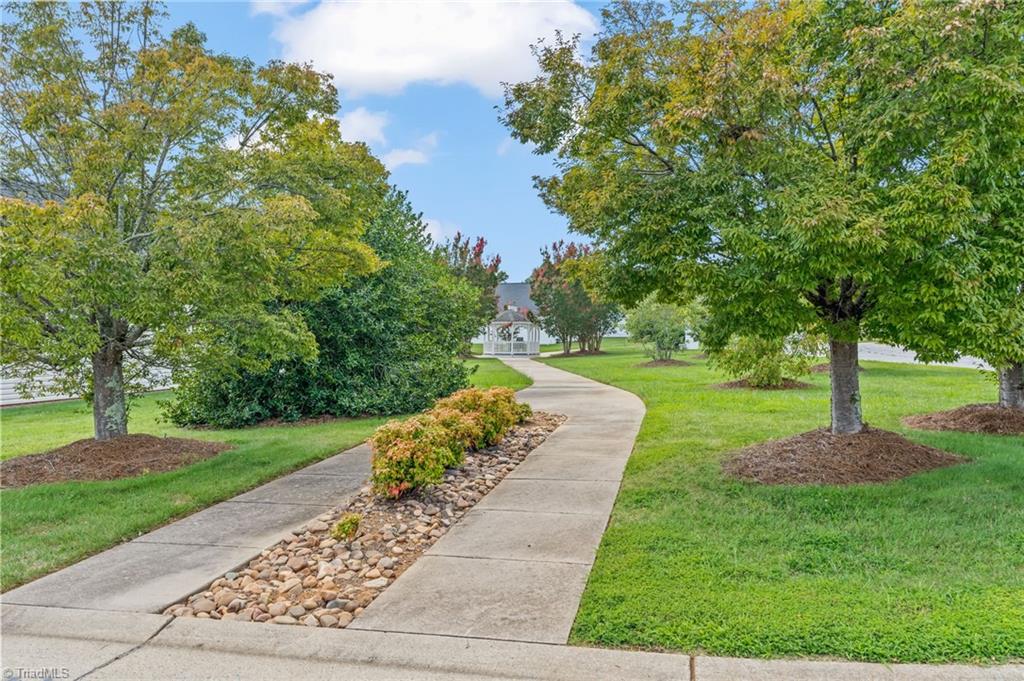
312,579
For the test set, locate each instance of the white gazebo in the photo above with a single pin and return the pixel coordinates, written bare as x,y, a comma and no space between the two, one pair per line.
512,333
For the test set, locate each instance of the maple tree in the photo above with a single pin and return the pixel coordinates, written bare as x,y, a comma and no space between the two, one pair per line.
846,169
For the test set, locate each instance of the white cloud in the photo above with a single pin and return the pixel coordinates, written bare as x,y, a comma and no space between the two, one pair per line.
363,125
505,145
276,8
417,155
381,47
438,231
404,157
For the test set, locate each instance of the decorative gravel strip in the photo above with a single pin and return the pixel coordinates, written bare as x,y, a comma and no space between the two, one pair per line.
313,579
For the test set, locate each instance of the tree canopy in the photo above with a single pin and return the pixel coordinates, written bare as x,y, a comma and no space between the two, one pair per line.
161,200
837,168
388,342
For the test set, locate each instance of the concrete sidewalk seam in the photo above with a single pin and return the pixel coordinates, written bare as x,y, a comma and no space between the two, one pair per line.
128,652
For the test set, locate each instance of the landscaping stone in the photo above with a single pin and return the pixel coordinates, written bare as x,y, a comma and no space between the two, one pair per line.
311,578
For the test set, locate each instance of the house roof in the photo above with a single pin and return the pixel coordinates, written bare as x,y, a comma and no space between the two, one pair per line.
515,295
510,316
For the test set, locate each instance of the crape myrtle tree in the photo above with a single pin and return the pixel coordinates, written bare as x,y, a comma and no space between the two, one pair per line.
466,258
757,155
567,308
166,199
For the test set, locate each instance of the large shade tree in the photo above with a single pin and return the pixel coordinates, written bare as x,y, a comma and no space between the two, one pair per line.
803,166
161,200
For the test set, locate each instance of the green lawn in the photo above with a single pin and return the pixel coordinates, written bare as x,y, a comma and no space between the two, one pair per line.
46,527
927,569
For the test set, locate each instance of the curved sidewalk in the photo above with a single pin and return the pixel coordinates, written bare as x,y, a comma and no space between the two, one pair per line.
514,568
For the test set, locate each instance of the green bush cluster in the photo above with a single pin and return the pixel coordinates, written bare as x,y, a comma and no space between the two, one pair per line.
415,452
768,362
388,343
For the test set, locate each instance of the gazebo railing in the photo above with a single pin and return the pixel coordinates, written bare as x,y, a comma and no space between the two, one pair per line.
501,347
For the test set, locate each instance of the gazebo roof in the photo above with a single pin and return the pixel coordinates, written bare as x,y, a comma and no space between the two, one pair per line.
511,316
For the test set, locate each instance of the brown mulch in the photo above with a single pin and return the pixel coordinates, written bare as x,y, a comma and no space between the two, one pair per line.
826,368
701,355
818,457
121,457
666,363
787,384
972,418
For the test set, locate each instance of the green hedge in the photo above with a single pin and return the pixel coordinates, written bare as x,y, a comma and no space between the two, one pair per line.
388,343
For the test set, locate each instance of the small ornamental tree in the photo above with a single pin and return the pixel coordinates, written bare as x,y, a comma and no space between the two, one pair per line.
160,200
660,327
465,257
835,168
768,362
566,309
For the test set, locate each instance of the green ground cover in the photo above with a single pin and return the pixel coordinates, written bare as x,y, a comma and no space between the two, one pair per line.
927,569
45,527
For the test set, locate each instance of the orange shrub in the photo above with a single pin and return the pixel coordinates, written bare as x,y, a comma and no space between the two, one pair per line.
495,410
415,452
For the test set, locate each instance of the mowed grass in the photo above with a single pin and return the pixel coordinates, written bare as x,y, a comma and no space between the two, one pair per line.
927,569
45,527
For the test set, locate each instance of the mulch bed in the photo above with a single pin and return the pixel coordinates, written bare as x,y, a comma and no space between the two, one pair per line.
666,363
121,457
787,384
311,578
820,457
972,418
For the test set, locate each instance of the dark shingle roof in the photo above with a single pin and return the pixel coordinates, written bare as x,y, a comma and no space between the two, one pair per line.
515,295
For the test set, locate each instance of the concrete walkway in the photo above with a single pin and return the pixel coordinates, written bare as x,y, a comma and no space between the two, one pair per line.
487,601
162,567
515,566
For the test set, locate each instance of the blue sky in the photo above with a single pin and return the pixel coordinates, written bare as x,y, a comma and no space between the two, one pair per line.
418,81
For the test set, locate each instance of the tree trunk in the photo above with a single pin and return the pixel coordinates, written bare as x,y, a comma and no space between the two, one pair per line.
109,406
846,416
1011,386
566,345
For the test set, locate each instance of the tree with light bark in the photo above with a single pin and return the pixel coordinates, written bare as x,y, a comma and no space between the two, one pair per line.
801,166
162,201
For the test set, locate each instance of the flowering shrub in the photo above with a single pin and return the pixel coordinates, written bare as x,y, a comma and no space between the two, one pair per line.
415,452
494,410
